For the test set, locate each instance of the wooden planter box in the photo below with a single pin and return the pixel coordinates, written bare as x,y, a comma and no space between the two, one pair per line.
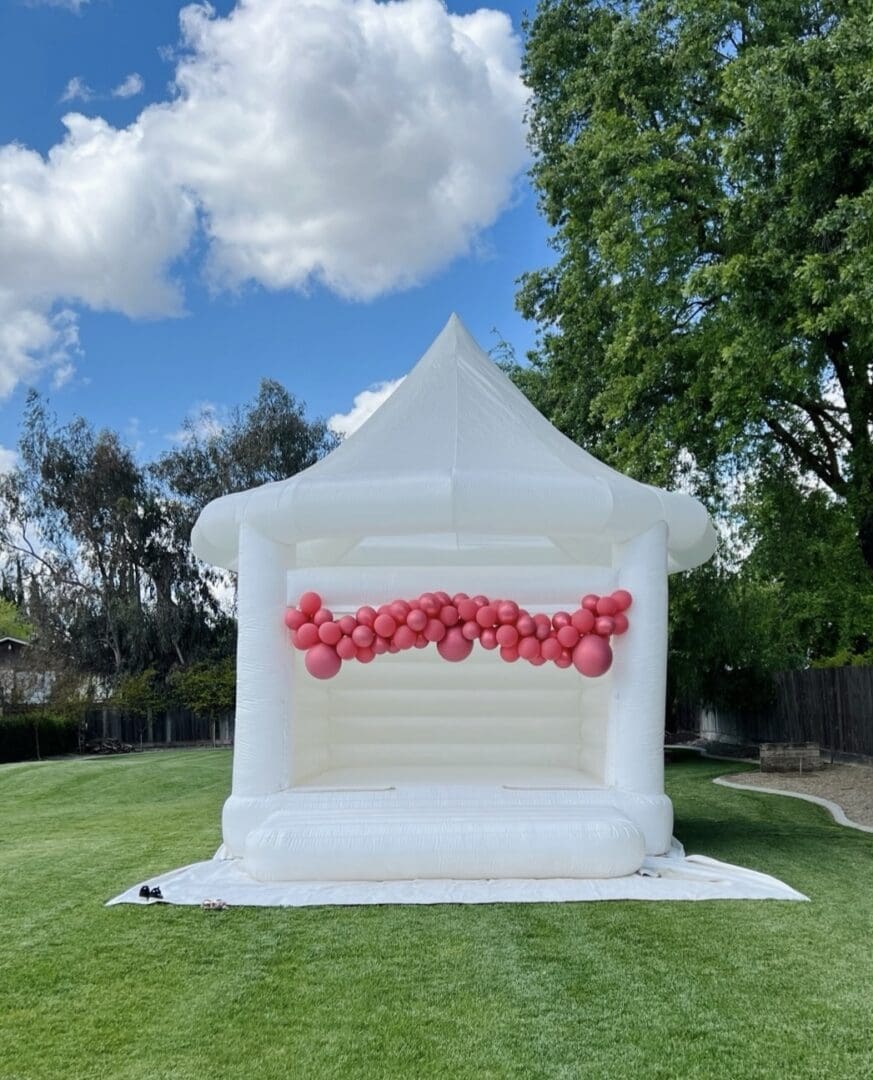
790,757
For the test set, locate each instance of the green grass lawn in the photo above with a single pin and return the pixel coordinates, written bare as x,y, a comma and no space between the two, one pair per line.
727,989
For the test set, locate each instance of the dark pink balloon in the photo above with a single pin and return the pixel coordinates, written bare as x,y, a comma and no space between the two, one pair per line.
568,636
583,620
488,638
322,661
364,655
471,630
294,619
604,626
330,633
560,618
416,620
487,615
589,602
307,636
435,630
480,600
347,624
507,612
507,635
384,625
592,656
345,648
606,605
509,653
365,615
550,648
467,609
529,648
525,626
363,636
449,615
623,599
309,603
454,646
621,623
443,597
404,637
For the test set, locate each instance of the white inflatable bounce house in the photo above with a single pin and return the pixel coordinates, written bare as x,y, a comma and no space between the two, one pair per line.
451,665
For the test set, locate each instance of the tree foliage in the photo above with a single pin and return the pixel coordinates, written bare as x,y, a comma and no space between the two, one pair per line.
707,169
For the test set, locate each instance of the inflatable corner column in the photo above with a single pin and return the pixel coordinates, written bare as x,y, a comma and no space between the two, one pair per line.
636,709
264,669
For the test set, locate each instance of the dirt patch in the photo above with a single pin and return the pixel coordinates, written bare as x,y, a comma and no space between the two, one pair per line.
850,786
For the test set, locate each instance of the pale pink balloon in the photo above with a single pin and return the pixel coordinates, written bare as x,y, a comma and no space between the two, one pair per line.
583,620
435,630
604,626
621,623
384,625
592,656
568,636
623,599
449,615
307,636
507,612
507,635
589,602
322,661
471,630
365,616
347,624
486,615
363,636
467,609
529,648
364,655
509,653
454,646
488,638
330,633
380,646
606,605
294,619
416,620
309,603
550,649
525,626
404,637
345,648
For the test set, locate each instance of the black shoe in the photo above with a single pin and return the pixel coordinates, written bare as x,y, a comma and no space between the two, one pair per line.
144,892
156,893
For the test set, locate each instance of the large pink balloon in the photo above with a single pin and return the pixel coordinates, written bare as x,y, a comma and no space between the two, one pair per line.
309,603
592,656
322,661
454,646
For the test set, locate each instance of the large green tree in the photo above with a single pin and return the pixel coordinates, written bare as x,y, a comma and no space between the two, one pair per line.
707,169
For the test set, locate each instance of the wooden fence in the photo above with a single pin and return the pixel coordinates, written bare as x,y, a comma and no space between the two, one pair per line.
830,706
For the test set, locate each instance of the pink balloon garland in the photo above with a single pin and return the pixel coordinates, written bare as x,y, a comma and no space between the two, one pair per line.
454,624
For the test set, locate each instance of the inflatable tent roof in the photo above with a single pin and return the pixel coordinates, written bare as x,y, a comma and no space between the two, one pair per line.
457,449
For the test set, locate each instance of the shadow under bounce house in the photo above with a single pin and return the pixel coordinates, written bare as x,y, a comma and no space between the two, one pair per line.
499,737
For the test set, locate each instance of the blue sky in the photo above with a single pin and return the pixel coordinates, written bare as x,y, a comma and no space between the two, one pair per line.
102,339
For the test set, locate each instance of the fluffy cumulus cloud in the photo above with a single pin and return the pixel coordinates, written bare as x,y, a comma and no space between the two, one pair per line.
351,144
363,407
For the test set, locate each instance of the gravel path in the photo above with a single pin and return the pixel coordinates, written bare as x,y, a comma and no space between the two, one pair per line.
850,786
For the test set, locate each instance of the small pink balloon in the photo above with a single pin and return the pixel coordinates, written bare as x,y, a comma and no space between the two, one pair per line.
592,656
509,653
435,630
471,630
294,619
589,602
486,615
604,626
365,616
623,599
347,624
345,648
560,618
449,615
568,636
416,620
529,648
525,626
380,646
364,655
399,610
384,625
330,633
322,661
443,597
467,609
454,646
323,615
480,600
309,603
507,635
621,623
421,641
488,638
307,636
538,661
563,661
583,620
550,649
606,605
543,626
392,648
363,636
459,597
404,637
429,604
507,612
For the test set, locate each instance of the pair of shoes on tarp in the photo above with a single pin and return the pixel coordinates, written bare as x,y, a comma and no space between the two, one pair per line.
151,894
214,905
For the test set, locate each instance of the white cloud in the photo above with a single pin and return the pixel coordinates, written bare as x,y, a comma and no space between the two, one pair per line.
205,421
363,407
77,90
130,86
70,5
8,459
346,143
